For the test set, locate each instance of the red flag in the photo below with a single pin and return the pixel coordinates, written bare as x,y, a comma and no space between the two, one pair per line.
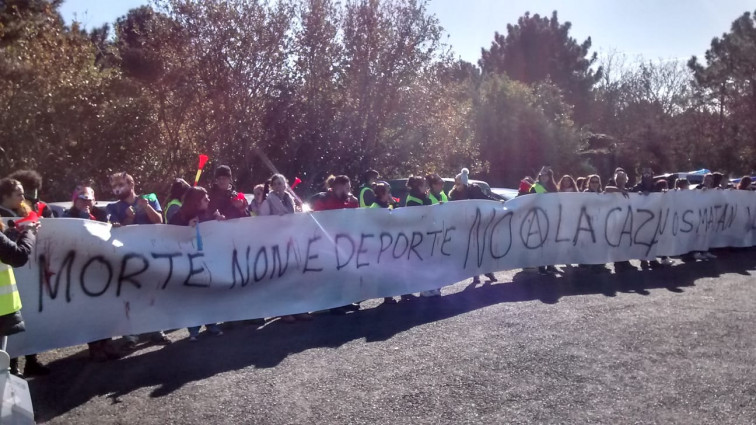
296,183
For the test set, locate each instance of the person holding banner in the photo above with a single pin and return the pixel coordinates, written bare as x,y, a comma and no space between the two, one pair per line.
707,184
383,198
567,184
15,255
257,200
682,184
619,183
436,189
178,189
744,183
239,207
417,192
594,184
366,194
545,184
194,210
463,190
338,196
128,210
83,207
279,201
222,192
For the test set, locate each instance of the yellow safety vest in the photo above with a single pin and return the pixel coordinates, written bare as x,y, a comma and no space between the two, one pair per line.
377,205
539,188
10,300
435,201
167,207
362,196
412,198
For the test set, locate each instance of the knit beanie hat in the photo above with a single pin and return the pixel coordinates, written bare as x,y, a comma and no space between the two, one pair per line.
223,171
463,176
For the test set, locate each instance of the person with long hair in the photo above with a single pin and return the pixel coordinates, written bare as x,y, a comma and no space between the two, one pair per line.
194,210
257,200
682,184
279,201
594,184
744,183
15,253
32,183
580,184
12,204
567,184
545,184
178,189
12,199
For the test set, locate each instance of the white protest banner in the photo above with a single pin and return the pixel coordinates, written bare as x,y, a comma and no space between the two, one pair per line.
89,281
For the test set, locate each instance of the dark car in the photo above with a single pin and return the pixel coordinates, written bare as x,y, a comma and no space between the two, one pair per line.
399,189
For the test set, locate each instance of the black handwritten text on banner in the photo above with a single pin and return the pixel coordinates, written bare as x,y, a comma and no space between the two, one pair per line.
88,281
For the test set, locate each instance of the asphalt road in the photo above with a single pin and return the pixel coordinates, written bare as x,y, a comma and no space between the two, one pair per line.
675,345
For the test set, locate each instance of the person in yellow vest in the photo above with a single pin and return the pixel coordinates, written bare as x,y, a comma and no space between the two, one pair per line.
436,189
366,194
12,205
418,196
417,192
383,197
545,184
14,254
178,189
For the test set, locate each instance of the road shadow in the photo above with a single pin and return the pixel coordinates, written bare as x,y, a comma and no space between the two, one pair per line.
75,380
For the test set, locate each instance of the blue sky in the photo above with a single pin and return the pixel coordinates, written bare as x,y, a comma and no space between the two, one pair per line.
654,29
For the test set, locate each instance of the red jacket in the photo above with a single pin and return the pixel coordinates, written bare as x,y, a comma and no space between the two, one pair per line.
331,202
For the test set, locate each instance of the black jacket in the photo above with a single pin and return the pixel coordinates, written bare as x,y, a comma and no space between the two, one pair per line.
15,254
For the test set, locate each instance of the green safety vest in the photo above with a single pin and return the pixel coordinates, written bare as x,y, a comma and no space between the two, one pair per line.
167,207
435,201
10,300
412,198
362,196
539,188
377,205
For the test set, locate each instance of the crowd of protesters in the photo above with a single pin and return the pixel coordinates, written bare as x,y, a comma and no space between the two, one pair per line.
187,206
